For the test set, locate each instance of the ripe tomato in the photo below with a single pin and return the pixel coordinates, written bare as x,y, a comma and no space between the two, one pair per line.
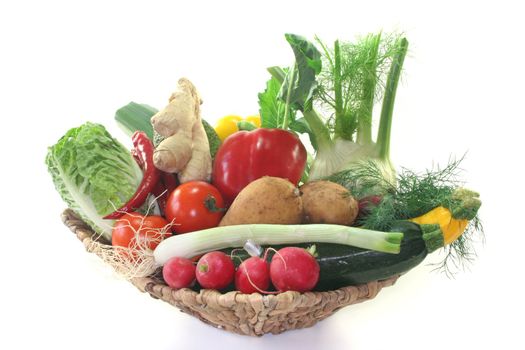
149,230
194,205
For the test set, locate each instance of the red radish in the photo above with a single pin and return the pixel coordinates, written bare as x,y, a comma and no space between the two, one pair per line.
215,270
252,276
368,202
179,273
294,268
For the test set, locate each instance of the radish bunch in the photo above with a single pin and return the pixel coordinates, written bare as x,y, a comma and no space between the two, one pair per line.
290,269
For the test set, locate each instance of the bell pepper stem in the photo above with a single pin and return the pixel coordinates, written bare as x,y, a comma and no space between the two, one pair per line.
246,125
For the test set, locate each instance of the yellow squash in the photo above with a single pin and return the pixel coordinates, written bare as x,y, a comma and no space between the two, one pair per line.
451,228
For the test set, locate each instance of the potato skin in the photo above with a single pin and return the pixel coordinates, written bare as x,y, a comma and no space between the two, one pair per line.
268,200
326,202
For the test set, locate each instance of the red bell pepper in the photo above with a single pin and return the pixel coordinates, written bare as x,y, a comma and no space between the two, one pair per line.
248,155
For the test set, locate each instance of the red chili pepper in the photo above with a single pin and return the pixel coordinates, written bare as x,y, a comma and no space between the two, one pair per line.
143,153
248,155
161,195
163,188
138,159
169,180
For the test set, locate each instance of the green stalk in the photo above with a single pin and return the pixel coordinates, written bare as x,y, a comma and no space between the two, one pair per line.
196,243
278,73
339,122
326,52
364,113
385,123
293,72
433,237
315,122
318,128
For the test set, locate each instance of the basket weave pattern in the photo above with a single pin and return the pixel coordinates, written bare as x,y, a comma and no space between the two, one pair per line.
247,314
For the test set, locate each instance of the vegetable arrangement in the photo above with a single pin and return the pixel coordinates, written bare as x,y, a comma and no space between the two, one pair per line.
244,206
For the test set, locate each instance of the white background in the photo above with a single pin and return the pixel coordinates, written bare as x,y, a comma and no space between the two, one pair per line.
64,63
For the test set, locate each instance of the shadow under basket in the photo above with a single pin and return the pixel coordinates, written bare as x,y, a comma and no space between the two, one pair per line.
247,314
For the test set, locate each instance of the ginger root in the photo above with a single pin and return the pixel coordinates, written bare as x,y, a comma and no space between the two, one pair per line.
185,149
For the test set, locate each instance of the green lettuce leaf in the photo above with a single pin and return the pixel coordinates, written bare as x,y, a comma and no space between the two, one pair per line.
93,173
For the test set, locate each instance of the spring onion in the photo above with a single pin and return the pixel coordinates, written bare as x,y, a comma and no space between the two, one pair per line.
196,243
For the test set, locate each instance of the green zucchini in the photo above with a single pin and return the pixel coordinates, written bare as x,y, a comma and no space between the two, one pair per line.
342,265
135,116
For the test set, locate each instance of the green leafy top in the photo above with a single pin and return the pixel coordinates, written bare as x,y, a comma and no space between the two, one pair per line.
347,79
300,83
353,79
271,108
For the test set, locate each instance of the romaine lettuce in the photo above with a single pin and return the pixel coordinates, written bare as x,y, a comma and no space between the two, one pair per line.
94,174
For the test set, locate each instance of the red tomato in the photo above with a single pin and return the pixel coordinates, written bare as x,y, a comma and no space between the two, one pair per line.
193,206
149,230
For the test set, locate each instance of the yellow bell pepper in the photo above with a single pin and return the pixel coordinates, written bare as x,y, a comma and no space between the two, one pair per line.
451,228
254,119
228,125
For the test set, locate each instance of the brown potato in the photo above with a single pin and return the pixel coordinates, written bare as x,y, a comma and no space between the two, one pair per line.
268,200
326,202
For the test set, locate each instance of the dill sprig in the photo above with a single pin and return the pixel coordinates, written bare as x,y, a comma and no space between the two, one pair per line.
417,194
461,253
414,194
365,179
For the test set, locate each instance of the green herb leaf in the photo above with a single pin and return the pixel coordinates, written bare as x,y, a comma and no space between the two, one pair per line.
300,83
271,108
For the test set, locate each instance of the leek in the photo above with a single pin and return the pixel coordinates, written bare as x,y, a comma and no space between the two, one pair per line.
196,243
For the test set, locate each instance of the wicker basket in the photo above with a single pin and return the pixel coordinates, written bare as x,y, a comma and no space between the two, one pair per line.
247,314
